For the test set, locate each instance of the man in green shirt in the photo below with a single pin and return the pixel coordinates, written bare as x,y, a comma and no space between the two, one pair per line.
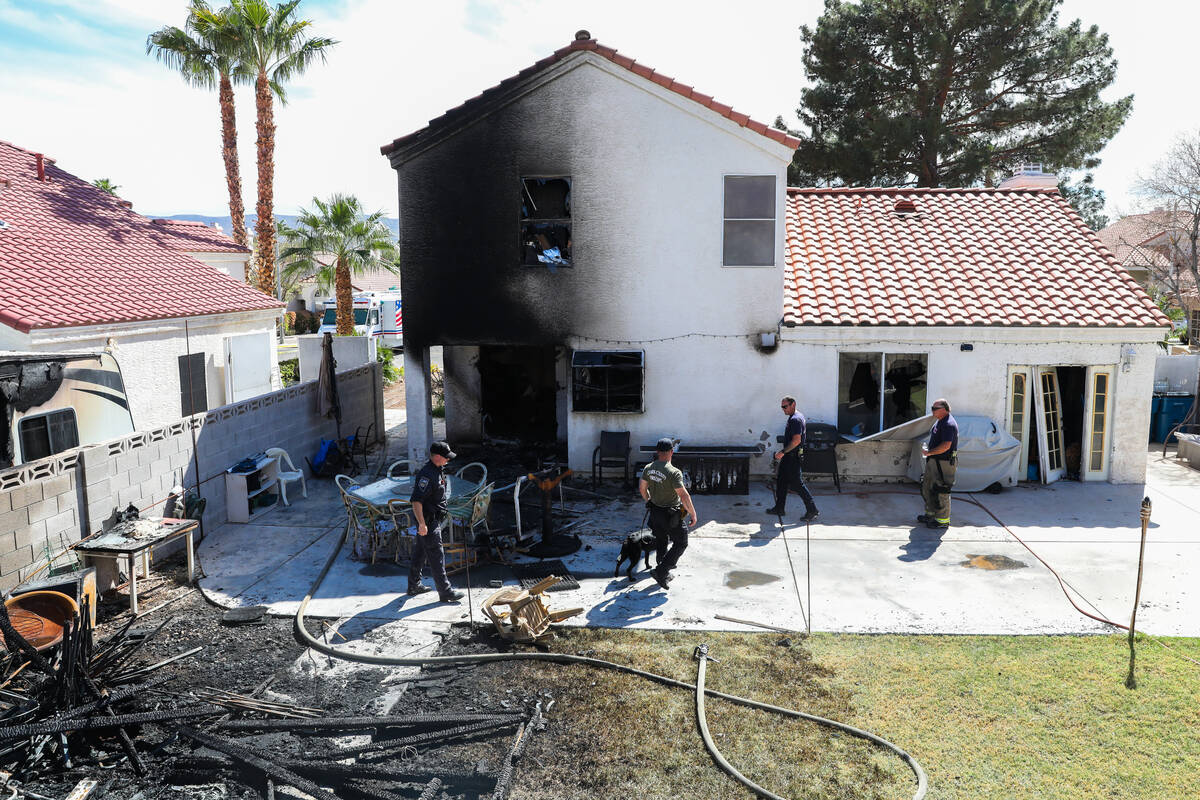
662,488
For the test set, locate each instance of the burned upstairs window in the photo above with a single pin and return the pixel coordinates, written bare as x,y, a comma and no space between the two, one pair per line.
608,380
546,222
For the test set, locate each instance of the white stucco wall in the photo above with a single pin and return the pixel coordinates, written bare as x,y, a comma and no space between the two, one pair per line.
724,391
232,264
149,352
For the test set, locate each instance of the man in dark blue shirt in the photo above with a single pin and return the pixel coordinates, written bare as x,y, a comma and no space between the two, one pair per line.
789,473
941,465
429,507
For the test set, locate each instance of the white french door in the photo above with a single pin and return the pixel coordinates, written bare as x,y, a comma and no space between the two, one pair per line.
1097,424
1049,411
1019,404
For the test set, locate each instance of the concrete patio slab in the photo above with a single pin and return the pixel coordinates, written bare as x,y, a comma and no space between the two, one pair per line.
872,568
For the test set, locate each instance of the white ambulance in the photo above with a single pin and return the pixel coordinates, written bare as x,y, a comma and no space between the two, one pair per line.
376,314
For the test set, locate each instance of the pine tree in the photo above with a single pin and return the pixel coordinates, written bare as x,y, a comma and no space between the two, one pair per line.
946,92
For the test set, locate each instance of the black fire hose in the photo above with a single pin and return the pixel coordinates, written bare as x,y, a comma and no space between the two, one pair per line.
309,640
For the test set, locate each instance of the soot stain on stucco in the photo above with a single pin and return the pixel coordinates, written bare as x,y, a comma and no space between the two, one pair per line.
462,280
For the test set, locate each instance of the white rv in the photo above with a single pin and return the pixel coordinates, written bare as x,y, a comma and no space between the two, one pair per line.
51,402
376,314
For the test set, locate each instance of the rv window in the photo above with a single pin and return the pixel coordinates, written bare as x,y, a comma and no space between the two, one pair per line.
46,434
360,316
330,317
374,317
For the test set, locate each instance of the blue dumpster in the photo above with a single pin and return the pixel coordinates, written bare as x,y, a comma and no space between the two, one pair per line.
1156,404
1174,410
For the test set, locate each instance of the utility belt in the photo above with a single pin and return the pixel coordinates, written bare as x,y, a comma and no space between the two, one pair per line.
943,485
668,511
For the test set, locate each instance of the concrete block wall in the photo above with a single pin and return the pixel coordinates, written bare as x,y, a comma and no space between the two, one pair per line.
48,505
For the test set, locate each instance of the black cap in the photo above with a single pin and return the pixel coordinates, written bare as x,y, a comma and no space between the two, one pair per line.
441,449
665,445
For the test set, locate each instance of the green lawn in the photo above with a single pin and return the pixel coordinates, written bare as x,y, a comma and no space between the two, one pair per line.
987,717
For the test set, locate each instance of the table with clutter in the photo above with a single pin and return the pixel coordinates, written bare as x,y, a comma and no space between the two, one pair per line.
133,540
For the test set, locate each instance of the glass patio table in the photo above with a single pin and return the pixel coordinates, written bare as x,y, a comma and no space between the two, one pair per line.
386,490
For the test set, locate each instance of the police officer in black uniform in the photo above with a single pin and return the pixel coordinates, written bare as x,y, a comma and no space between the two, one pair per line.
429,507
790,474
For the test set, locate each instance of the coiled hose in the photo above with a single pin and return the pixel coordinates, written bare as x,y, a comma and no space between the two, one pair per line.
309,640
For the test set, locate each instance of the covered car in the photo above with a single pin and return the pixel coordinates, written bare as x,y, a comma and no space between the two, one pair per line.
987,453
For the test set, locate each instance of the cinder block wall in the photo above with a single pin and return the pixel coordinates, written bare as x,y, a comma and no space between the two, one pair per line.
48,505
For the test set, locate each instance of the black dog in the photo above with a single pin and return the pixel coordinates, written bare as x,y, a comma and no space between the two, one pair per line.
637,544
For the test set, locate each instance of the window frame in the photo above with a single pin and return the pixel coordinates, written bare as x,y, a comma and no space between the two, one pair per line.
725,219
640,368
564,222
882,359
51,444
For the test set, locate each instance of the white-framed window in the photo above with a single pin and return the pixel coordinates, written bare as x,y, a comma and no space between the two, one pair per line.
46,434
545,231
877,391
748,237
610,381
1194,327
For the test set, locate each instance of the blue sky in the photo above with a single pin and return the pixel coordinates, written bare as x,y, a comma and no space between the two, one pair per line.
76,83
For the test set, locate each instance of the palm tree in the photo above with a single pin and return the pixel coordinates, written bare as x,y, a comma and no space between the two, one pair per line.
105,185
275,48
205,52
333,242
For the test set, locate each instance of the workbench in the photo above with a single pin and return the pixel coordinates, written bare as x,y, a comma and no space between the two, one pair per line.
133,540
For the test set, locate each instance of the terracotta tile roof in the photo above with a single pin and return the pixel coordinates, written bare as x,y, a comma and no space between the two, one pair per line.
194,236
1012,257
588,44
71,254
376,280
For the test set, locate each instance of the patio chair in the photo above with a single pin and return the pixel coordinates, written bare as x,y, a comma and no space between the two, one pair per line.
367,527
613,451
474,465
361,443
399,514
290,475
470,516
398,468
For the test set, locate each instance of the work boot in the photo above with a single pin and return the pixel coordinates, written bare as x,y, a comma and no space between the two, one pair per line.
810,515
453,597
937,525
420,588
776,512
924,518
661,578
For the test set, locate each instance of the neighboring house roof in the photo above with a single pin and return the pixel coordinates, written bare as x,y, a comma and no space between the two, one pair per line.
71,254
1006,257
584,43
195,237
1126,238
377,280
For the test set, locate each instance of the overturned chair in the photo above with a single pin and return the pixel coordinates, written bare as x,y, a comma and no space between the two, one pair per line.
528,617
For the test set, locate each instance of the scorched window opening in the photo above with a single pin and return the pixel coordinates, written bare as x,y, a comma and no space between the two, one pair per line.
877,391
610,381
46,434
545,229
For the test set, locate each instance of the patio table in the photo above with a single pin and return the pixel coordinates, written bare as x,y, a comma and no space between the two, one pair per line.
133,541
386,490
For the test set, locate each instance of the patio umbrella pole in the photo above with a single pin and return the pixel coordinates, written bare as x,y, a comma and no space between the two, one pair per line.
1130,680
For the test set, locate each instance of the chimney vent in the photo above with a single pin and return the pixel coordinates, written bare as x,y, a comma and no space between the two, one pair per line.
41,167
582,36
905,207
127,203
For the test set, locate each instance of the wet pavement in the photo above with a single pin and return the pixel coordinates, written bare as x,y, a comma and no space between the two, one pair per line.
864,565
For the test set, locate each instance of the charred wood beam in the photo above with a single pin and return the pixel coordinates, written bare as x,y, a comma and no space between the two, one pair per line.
424,738
100,723
248,757
364,723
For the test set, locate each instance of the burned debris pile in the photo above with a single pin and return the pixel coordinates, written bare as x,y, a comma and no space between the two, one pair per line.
94,717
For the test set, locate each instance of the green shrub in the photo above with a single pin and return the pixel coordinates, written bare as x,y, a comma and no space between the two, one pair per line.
386,357
439,411
289,371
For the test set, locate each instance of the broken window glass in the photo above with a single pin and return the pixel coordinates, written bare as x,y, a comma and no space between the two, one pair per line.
749,234
877,391
608,380
546,222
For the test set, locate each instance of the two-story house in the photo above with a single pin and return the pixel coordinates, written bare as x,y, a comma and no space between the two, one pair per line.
599,247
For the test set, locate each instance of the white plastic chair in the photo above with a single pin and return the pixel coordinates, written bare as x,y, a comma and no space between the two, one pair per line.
398,468
291,475
482,478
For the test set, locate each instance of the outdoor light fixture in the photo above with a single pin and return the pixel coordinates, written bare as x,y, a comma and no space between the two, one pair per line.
966,348
1127,354
767,340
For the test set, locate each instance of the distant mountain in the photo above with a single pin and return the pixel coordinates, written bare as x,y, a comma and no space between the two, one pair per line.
392,223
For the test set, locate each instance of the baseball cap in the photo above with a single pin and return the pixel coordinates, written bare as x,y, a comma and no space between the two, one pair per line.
441,449
664,445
